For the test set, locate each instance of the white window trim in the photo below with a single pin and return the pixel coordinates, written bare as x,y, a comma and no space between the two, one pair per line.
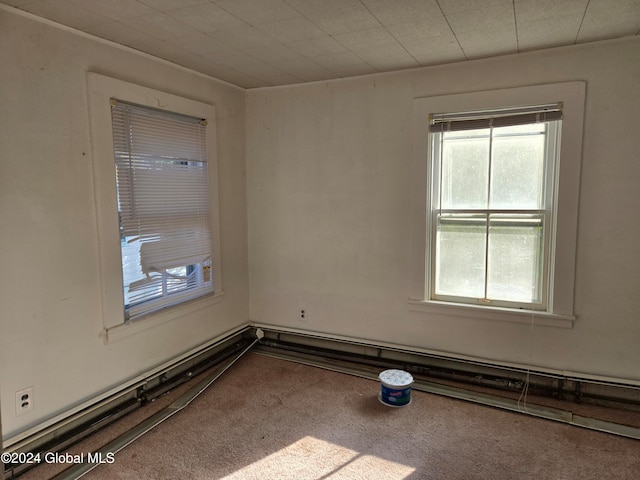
561,294
100,90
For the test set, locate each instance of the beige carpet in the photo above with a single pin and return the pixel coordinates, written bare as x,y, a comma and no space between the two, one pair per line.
272,419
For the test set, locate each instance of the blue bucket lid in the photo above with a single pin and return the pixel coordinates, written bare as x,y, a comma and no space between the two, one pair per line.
396,378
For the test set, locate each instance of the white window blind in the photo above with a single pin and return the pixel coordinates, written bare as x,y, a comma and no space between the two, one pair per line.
163,203
454,122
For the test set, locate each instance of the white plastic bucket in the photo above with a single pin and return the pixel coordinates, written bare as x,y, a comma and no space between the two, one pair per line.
395,389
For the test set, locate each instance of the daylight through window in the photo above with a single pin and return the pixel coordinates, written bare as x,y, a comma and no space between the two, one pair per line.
491,219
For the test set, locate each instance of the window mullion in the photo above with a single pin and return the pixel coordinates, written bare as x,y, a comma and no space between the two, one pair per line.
487,216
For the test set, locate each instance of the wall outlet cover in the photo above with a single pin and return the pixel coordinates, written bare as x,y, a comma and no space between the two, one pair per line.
24,401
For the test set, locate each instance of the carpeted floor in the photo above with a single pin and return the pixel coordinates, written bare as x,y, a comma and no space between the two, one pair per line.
272,419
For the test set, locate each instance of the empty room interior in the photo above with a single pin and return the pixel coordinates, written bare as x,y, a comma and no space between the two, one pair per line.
223,219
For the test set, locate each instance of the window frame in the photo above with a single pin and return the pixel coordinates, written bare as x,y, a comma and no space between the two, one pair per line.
560,305
101,89
546,213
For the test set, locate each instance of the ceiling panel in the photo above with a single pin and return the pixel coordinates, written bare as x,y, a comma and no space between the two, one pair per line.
305,69
115,9
622,17
313,47
548,23
436,50
344,64
387,57
206,17
343,20
400,11
420,29
533,10
222,72
165,5
291,29
257,43
259,11
202,44
159,25
307,7
452,7
363,39
547,32
67,13
485,43
486,18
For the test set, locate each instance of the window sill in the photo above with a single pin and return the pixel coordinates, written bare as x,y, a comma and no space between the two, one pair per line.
492,313
124,330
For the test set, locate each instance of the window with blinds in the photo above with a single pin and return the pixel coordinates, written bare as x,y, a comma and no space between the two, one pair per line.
163,205
492,205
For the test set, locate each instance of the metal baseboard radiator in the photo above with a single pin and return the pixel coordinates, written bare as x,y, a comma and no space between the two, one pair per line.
492,385
59,437
457,378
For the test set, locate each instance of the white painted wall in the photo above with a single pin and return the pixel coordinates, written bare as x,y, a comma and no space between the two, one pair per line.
329,174
329,168
50,313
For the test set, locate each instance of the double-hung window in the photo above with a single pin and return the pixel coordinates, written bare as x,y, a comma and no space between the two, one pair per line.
154,159
494,212
492,205
163,206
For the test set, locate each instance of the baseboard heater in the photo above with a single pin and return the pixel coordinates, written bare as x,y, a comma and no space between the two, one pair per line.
214,359
475,381
442,375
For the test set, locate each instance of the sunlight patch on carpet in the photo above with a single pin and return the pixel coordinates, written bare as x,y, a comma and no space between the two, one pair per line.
313,459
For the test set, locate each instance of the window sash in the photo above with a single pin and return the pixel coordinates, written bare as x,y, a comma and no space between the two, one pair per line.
489,226
163,202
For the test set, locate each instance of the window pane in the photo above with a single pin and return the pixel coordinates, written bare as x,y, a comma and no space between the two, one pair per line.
177,279
465,169
460,255
137,286
515,253
517,167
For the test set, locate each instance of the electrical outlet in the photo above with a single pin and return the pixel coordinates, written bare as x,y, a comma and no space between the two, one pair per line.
24,401
304,316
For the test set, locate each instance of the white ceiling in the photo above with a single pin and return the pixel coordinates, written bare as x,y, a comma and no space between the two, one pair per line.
257,43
